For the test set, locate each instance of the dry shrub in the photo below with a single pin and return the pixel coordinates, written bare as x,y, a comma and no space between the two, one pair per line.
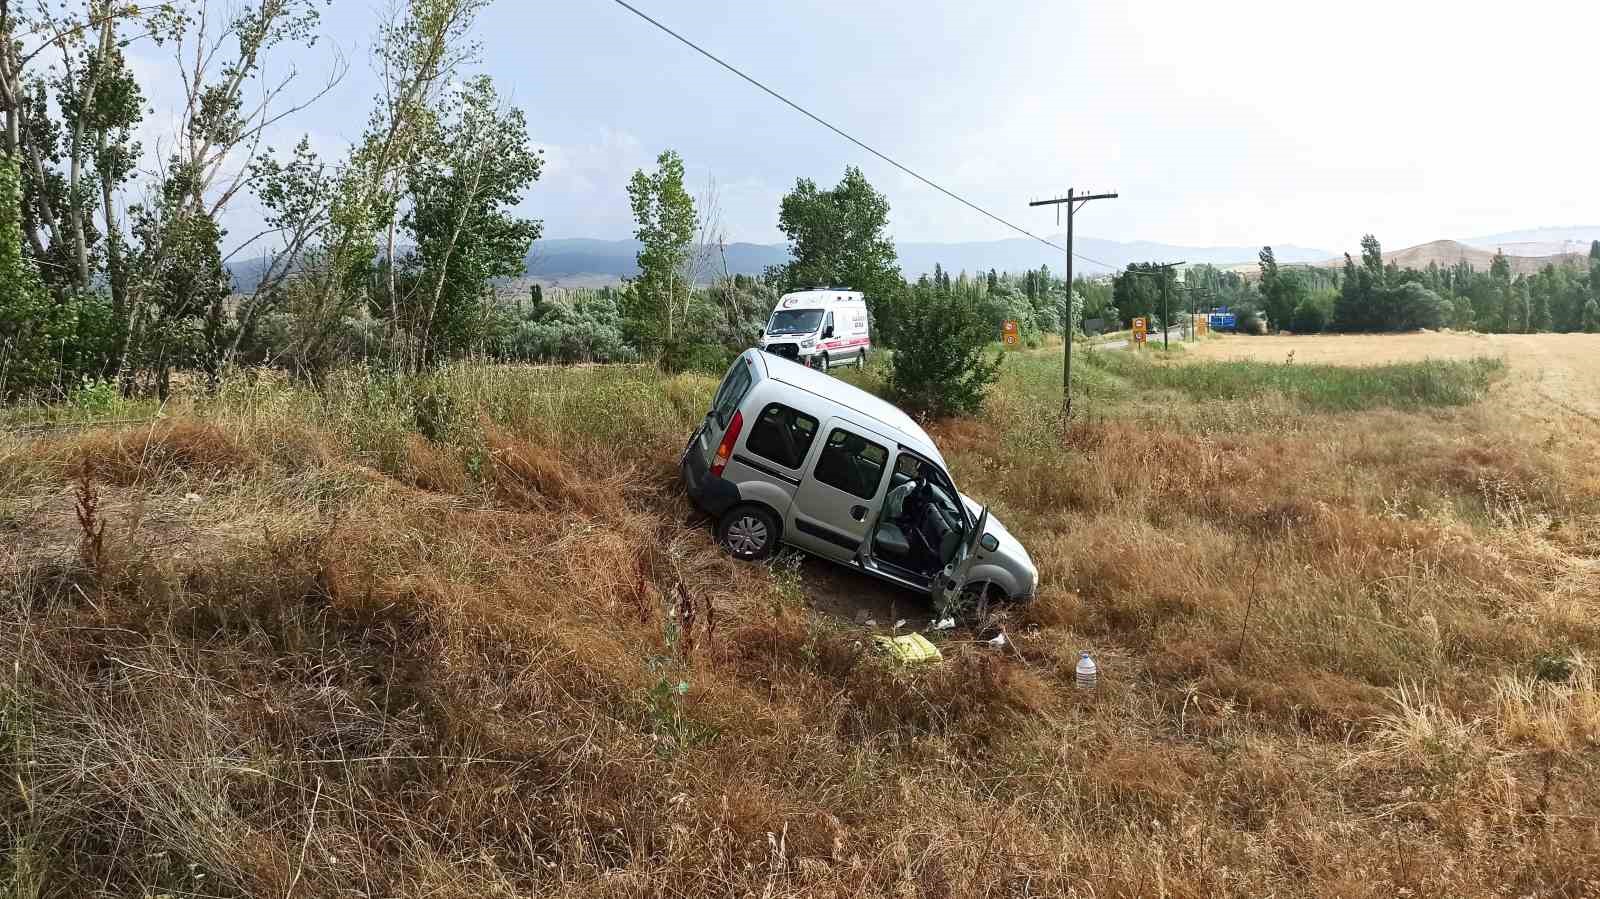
974,697
961,435
182,448
429,697
530,476
1563,715
1316,702
432,467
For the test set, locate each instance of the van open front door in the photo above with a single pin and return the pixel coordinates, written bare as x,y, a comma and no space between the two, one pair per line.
953,579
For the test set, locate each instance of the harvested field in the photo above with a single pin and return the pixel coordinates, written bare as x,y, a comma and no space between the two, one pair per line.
1561,371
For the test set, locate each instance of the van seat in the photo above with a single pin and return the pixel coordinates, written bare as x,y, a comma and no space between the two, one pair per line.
891,540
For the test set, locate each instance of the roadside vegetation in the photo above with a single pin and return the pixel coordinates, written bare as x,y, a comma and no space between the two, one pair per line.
310,585
1370,295
458,634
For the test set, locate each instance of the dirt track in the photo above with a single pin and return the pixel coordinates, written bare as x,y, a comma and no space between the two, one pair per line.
1560,370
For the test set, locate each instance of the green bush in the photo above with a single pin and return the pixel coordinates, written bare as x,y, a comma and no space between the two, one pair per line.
939,366
699,355
1314,313
587,330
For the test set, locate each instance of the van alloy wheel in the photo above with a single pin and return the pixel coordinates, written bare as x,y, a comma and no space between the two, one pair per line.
749,532
747,535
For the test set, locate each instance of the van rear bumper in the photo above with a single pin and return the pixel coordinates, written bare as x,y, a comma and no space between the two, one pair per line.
710,492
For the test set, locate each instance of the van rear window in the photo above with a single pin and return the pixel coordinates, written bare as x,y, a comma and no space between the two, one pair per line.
732,392
852,463
782,435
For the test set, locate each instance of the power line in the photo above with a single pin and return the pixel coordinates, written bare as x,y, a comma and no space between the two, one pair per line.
842,133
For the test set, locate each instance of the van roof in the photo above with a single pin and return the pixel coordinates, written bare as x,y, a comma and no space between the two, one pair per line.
892,421
821,296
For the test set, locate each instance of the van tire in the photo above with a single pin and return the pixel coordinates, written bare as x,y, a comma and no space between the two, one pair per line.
861,359
748,532
823,363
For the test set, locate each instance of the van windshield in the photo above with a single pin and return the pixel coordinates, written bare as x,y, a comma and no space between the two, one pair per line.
795,321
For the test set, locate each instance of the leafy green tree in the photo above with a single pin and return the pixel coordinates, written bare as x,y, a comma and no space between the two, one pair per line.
664,215
420,47
941,367
1594,275
1137,291
474,164
183,285
1372,258
1350,312
1276,299
839,238
1591,316
1413,306
1281,292
26,334
1314,312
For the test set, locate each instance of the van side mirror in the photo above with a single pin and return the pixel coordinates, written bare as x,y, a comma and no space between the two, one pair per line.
827,332
989,543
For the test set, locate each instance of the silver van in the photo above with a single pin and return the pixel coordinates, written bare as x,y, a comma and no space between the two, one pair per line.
788,454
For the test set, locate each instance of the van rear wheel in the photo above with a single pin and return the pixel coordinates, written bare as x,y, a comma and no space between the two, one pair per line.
861,359
748,532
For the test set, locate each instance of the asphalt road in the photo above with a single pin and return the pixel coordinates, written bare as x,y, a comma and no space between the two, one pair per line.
1176,332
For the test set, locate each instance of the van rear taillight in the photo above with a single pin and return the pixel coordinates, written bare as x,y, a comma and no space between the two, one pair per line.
729,438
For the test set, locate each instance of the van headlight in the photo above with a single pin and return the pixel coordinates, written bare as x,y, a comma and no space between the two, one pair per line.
808,344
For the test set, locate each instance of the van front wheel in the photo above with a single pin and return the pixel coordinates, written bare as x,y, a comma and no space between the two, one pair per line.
823,363
749,532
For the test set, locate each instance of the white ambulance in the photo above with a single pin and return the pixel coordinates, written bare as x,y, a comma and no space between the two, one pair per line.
821,328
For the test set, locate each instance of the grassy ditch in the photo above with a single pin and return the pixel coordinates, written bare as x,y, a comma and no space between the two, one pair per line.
460,635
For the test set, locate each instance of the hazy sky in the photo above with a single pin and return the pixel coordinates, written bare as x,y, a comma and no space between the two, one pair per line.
1228,122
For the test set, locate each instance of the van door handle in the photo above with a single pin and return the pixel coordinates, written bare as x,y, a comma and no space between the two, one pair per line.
859,513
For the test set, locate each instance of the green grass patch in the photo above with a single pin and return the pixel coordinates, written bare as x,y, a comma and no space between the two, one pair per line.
1323,388
1114,377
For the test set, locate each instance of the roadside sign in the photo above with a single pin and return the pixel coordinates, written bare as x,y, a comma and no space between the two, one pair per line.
1140,327
1010,334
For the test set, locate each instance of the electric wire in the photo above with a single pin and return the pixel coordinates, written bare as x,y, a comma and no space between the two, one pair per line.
847,136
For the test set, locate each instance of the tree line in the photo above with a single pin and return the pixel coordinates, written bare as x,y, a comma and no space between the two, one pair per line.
401,252
1370,295
112,269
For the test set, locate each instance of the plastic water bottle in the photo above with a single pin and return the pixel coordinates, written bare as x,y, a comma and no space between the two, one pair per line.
1088,671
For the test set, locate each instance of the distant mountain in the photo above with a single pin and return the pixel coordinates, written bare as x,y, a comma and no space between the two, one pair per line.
583,259
588,262
557,260
1449,252
1570,239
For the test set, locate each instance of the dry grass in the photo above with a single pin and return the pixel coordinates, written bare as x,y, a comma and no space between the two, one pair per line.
1557,375
461,637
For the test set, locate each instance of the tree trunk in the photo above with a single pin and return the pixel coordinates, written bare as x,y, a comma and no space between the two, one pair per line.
444,264
80,244
115,273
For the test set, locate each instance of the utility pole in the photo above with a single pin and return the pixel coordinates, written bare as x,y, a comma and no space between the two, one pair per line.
1073,201
1161,271
1166,318
1191,290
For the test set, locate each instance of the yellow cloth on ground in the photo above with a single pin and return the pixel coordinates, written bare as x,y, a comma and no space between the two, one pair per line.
912,649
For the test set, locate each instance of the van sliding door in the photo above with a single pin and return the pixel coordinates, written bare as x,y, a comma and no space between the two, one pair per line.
839,498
